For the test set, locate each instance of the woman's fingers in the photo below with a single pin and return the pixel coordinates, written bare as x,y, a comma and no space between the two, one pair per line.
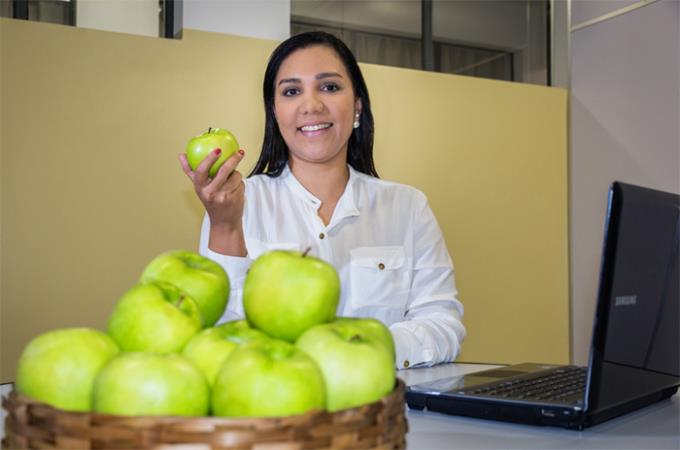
185,166
224,172
201,174
233,182
233,161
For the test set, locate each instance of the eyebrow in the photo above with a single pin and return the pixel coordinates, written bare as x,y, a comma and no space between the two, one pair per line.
318,76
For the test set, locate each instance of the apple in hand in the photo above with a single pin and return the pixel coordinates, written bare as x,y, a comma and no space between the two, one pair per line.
154,317
200,277
59,367
211,347
266,378
151,384
287,292
357,364
199,147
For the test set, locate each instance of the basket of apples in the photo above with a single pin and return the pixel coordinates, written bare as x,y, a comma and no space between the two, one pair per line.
165,375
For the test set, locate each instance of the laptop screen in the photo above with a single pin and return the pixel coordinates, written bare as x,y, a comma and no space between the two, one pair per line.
636,337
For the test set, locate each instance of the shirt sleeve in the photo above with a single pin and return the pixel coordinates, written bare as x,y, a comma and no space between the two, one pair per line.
432,330
236,268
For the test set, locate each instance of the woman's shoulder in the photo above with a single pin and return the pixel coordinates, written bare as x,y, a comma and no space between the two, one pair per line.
262,180
381,186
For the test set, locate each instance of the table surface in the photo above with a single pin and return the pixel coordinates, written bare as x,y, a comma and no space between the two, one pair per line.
654,427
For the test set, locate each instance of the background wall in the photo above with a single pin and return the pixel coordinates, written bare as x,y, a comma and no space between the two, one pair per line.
625,97
91,188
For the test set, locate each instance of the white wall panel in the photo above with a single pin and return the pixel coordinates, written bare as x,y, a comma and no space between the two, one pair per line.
624,126
266,19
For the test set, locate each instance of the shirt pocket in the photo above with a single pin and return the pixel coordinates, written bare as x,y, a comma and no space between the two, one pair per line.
256,248
379,276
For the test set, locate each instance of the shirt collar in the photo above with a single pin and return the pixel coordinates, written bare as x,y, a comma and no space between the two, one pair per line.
346,206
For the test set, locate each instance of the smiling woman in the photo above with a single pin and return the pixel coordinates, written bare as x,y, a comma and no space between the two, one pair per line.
315,187
315,109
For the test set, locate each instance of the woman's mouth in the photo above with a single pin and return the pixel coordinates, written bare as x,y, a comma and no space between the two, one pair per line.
314,129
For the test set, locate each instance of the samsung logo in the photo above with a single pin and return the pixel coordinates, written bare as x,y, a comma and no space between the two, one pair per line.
625,300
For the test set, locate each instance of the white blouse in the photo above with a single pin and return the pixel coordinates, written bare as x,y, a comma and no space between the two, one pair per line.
383,240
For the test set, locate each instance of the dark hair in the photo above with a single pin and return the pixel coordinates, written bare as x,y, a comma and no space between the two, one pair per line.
274,154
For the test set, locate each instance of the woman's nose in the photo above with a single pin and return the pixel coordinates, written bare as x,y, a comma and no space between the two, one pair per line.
311,103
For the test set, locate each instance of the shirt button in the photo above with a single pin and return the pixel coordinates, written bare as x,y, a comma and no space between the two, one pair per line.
321,235
381,266
406,364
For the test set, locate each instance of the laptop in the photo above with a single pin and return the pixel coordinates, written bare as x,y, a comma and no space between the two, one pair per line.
635,349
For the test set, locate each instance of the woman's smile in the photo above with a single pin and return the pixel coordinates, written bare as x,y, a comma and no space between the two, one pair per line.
315,129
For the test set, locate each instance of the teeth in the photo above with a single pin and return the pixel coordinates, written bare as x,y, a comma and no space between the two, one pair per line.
320,126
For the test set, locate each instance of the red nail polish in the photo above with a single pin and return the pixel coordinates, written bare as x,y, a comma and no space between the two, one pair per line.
241,152
217,151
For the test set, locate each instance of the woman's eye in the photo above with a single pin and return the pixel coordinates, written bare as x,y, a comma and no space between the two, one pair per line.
330,87
289,92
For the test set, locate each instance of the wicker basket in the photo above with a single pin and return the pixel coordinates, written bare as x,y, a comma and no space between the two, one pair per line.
381,425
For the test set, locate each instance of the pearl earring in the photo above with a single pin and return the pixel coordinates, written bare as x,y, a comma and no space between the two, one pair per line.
356,121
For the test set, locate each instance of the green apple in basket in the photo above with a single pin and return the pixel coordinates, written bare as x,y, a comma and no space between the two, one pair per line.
287,292
200,277
154,317
355,358
211,347
59,367
267,378
199,147
151,384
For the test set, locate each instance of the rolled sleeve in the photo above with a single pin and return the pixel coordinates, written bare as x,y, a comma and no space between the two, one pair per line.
236,268
432,331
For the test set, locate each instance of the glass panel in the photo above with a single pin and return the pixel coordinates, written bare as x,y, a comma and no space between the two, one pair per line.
53,11
505,39
6,8
500,39
377,31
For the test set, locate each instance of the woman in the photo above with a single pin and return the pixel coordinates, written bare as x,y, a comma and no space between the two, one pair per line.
315,185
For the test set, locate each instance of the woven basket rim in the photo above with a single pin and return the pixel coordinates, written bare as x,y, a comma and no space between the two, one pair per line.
17,399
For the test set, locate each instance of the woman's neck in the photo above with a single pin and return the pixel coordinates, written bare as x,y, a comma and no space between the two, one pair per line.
326,182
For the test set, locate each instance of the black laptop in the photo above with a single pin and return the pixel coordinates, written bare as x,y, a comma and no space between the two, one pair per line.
635,350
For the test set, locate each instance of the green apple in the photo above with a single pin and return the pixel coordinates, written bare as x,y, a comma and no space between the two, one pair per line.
151,384
59,367
200,277
376,327
267,378
211,347
287,292
154,317
199,147
357,364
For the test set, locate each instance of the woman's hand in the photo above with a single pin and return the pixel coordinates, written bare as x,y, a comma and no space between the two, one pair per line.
223,198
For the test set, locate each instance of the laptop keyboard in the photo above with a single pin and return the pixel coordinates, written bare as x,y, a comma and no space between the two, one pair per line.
562,384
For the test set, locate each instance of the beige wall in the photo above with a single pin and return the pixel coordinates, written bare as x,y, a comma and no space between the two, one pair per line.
92,122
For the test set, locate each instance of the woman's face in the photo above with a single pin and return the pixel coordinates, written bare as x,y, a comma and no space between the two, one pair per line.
315,106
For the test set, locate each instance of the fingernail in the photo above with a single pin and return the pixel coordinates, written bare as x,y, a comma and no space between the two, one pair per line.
241,152
217,151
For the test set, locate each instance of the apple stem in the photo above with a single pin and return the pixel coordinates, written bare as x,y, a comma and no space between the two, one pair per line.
209,129
354,338
179,301
307,250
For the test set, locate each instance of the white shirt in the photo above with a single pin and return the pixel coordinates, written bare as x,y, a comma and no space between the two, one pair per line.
383,240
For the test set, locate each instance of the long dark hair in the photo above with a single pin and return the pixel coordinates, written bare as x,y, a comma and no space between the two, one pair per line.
274,154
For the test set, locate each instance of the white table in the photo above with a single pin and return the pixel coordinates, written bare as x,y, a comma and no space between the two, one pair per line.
654,427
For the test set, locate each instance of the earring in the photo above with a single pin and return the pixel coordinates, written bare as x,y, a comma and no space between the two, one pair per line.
356,121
